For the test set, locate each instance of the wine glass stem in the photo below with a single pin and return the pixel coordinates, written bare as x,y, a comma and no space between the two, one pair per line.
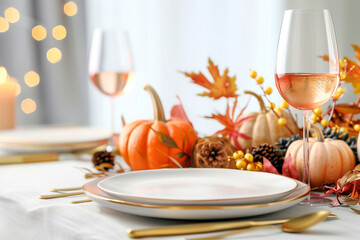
111,145
306,128
112,115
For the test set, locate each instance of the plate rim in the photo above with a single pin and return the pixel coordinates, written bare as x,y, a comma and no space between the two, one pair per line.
93,183
43,145
196,200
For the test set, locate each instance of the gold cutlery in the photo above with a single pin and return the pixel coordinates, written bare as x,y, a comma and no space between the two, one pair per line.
58,195
355,210
81,201
202,227
28,158
65,189
293,225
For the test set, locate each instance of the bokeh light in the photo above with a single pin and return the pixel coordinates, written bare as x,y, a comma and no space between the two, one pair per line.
70,8
39,33
3,74
17,87
32,79
28,106
54,55
4,25
12,15
59,32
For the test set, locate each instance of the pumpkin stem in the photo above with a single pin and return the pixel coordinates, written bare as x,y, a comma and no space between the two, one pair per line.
318,133
159,114
260,100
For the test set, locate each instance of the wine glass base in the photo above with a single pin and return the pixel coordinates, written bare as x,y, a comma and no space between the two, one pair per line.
316,201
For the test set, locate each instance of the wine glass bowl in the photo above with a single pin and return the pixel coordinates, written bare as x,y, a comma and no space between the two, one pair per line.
110,64
307,66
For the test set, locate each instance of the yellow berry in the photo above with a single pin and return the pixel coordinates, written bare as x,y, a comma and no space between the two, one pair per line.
342,75
241,164
313,135
324,122
251,167
259,80
278,110
357,127
238,155
252,74
249,157
268,90
271,105
281,121
284,104
340,90
317,111
259,165
314,117
342,63
336,96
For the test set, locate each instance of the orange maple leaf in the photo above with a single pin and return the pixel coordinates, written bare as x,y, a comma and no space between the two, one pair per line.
231,123
223,86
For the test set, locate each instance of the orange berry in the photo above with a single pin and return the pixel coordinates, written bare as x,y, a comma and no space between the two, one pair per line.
281,121
241,164
324,122
259,80
249,157
357,127
284,104
268,90
252,74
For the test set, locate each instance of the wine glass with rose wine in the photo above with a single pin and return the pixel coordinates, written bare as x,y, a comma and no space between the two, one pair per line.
302,77
110,66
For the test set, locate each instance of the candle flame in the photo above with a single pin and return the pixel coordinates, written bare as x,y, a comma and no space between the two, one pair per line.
3,75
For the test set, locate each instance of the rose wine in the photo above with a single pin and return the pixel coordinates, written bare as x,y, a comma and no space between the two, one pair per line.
306,91
110,83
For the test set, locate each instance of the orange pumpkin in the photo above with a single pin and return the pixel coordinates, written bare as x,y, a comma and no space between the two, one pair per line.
329,159
262,127
158,143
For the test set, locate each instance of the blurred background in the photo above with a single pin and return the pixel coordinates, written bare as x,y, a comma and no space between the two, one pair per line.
45,45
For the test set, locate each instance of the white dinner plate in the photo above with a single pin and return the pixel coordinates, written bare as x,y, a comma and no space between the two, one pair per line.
52,138
197,186
195,212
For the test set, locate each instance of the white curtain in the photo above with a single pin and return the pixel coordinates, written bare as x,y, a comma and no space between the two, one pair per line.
172,36
61,96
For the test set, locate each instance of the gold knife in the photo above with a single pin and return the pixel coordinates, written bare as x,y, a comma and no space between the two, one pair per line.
201,227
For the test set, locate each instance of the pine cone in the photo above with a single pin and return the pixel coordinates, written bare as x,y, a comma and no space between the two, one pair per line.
284,143
269,152
212,152
103,160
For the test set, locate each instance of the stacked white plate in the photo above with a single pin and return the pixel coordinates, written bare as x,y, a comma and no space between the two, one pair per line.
52,139
198,193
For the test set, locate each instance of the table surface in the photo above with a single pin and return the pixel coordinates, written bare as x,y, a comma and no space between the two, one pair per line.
24,216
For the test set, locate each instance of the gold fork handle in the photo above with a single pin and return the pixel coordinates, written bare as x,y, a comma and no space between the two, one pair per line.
198,228
58,195
232,233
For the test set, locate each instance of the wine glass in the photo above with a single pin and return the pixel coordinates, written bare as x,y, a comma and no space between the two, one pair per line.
302,77
110,66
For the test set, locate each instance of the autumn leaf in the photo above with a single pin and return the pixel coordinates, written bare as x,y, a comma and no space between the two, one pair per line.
347,109
222,86
357,50
231,124
177,111
165,139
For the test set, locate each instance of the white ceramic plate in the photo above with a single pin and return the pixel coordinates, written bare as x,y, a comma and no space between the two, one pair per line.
195,212
68,138
197,186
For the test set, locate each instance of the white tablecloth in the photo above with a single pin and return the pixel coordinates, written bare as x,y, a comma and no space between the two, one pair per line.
24,216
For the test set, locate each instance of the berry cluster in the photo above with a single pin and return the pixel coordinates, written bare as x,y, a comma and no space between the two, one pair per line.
245,161
267,92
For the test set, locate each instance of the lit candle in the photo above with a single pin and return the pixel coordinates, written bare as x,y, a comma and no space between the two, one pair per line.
7,100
